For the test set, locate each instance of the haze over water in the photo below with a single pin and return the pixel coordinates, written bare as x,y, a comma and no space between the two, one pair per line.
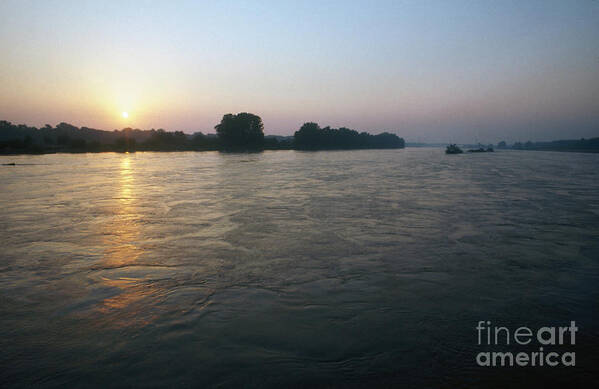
291,268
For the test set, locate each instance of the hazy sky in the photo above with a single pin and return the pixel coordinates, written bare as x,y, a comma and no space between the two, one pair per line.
427,70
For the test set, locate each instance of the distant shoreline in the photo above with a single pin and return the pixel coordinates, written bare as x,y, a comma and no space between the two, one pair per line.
225,151
2,153
232,136
242,132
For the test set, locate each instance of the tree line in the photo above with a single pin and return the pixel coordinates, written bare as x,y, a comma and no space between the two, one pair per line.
311,137
590,145
241,132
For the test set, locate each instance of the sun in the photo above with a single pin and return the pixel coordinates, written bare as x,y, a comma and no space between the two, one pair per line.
125,115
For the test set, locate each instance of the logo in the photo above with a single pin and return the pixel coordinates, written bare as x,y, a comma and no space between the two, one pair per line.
554,345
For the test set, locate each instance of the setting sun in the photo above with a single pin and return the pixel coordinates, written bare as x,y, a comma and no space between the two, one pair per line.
125,115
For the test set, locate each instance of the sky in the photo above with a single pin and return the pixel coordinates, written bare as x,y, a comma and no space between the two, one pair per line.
430,71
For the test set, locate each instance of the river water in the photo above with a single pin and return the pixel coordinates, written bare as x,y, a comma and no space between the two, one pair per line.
284,268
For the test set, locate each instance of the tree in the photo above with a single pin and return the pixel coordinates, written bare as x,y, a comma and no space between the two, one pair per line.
124,143
63,139
64,127
241,131
308,136
311,137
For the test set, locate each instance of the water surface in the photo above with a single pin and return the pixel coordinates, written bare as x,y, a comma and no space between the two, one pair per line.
291,268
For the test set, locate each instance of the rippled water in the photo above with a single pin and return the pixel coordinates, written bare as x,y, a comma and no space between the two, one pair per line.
291,268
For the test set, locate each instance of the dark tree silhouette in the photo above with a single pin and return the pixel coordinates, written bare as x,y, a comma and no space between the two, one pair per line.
124,143
241,131
63,139
311,137
308,136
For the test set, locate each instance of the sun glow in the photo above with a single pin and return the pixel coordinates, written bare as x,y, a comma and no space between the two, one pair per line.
125,115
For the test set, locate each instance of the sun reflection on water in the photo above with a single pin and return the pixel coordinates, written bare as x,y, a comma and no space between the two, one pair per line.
126,180
122,241
122,232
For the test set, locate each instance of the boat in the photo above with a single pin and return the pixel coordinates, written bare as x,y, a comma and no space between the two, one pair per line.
453,149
